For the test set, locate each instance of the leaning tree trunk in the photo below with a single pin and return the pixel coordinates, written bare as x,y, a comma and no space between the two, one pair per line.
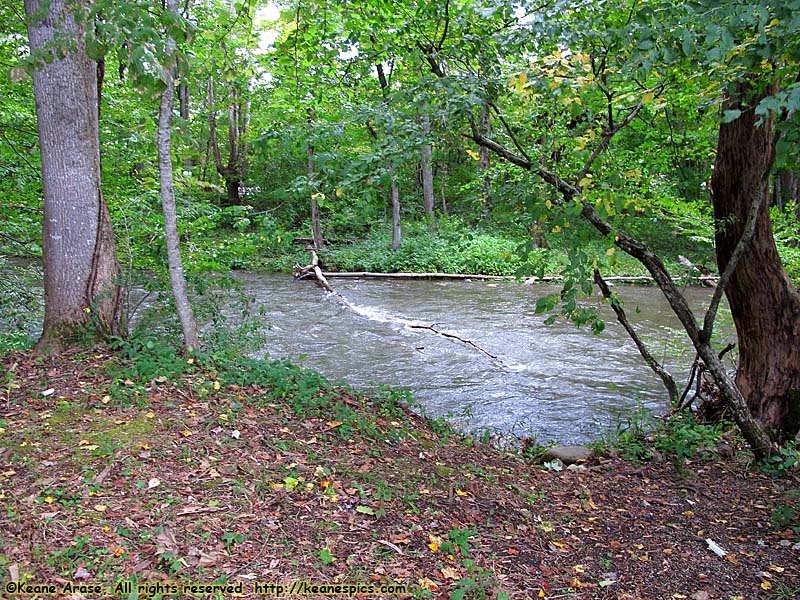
81,272
164,146
764,303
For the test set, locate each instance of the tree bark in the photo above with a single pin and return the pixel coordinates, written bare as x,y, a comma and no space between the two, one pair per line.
764,303
81,272
164,146
426,167
397,236
316,229
230,171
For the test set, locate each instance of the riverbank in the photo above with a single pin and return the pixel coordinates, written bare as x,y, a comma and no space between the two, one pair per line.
142,466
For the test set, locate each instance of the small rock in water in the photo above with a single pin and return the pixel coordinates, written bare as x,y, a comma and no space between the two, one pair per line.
568,455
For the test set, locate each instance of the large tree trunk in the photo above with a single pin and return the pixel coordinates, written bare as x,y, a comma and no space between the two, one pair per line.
764,303
81,272
182,305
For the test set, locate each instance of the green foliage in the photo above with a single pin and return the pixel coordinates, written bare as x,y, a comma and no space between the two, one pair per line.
786,515
451,248
786,459
682,436
679,437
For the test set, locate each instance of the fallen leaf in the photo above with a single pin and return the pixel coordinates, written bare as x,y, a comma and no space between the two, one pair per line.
427,584
154,482
449,573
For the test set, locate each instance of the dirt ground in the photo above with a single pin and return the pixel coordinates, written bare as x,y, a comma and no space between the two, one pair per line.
196,479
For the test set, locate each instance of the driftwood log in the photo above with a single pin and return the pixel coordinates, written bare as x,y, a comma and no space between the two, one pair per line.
705,280
313,271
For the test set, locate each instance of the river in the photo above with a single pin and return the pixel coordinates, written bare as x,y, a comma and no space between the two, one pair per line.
552,382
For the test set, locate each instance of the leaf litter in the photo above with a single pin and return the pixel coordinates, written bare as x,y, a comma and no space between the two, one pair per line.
108,478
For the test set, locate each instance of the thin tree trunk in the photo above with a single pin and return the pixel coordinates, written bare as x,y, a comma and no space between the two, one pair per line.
164,145
81,272
764,304
443,186
229,172
426,166
397,236
316,229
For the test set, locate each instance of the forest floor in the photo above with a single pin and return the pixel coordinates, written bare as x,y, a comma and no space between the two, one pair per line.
197,477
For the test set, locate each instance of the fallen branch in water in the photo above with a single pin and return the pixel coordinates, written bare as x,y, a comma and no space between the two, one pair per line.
313,271
455,337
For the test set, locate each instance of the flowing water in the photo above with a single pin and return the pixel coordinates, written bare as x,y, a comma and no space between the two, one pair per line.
554,382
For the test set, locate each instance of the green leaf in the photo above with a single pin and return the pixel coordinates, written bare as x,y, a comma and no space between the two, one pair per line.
365,510
731,115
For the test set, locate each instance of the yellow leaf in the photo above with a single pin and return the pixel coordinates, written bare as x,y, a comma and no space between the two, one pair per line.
84,442
473,154
648,97
190,361
541,594
105,399
461,493
216,386
333,424
100,507
548,204
518,81
585,181
318,196
338,192
558,544
49,499
556,229
150,415
766,585
186,433
610,251
776,568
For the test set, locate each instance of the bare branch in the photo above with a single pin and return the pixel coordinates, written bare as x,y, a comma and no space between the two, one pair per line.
616,306
499,149
607,135
741,246
508,130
